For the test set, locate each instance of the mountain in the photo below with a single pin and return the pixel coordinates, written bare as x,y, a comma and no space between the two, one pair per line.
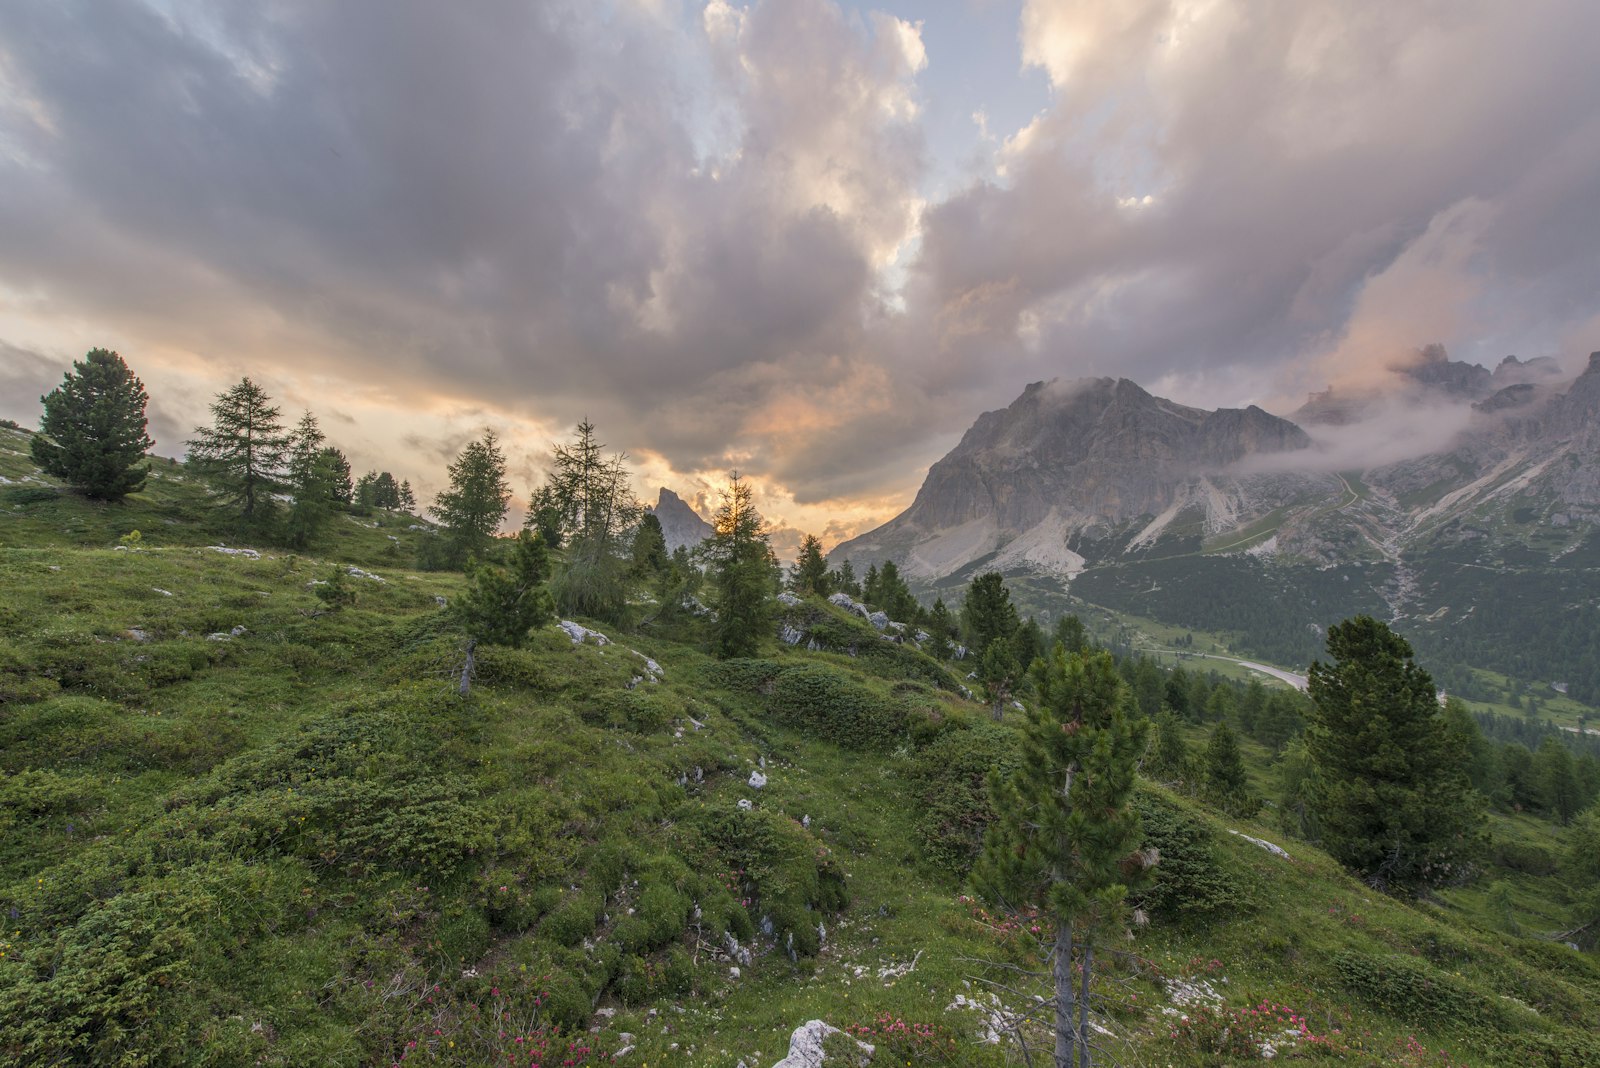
1084,457
680,524
1460,503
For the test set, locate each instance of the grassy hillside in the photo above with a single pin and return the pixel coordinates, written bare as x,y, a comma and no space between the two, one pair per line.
242,829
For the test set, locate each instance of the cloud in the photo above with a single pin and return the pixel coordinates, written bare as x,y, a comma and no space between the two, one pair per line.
708,227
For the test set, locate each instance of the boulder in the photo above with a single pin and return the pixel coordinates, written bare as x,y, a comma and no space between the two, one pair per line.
806,1048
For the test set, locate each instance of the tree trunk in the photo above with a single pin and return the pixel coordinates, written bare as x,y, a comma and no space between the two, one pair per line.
466,670
1065,1000
1084,1057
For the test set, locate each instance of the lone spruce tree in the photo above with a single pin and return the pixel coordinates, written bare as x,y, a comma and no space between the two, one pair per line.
1389,788
93,429
1067,836
471,509
500,606
743,571
243,450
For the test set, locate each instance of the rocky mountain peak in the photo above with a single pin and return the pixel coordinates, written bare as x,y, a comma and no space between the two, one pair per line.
680,524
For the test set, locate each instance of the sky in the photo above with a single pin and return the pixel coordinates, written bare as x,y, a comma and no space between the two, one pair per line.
806,239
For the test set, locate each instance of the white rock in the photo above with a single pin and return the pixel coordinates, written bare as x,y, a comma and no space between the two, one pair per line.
162,592
746,804
580,633
788,599
805,1046
238,632
358,573
1277,851
249,554
805,821
733,972
219,636
757,780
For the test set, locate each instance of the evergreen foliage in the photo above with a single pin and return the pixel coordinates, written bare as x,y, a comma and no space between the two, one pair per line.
997,671
341,488
1066,837
244,449
596,510
1168,759
313,480
987,613
472,508
1224,782
809,575
941,628
93,431
1389,785
649,556
501,605
743,571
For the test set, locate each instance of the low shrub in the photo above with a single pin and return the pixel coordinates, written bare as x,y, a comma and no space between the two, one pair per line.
950,776
1189,880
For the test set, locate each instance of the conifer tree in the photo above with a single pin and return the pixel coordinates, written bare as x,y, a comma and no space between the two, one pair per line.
312,481
597,509
809,575
940,629
987,613
844,579
1224,781
743,571
1168,759
471,509
649,556
501,605
243,451
1066,838
341,488
93,432
1555,776
997,671
408,499
1072,634
1389,789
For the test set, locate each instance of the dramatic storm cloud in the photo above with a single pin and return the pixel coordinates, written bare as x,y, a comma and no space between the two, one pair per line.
806,239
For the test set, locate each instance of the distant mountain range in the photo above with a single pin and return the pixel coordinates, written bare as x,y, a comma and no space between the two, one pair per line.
1459,501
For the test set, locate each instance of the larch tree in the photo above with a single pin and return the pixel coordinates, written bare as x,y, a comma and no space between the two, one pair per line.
743,571
598,511
471,509
93,432
1066,840
243,450
1389,787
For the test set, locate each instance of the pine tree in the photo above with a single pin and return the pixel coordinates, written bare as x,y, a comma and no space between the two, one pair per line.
998,671
312,481
408,499
1581,869
471,509
843,579
743,571
1072,634
93,433
1389,790
809,575
1066,837
501,605
1168,759
1223,777
1557,781
940,629
341,488
243,451
987,613
649,556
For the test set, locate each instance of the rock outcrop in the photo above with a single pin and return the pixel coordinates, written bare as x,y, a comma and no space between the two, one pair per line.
680,524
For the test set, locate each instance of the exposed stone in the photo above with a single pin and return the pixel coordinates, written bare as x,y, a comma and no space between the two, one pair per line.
757,780
806,1048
